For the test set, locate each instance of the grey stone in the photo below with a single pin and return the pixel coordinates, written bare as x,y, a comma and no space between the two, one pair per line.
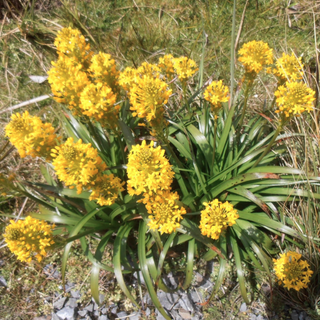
72,302
139,276
148,312
175,315
294,315
75,294
114,309
82,313
196,296
170,280
308,318
167,300
89,307
54,317
60,303
104,310
302,315
102,298
96,313
196,317
243,307
136,316
103,317
122,314
160,316
185,303
252,316
184,314
260,317
66,313
3,282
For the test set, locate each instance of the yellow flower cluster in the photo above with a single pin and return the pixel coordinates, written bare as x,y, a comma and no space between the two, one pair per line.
255,55
97,101
216,93
293,98
77,163
29,238
150,173
184,68
166,66
87,83
106,189
216,217
292,272
71,43
148,96
31,136
148,169
103,70
164,214
289,68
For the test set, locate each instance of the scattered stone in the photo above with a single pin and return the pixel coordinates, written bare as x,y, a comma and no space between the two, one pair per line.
252,316
66,313
294,315
114,309
75,294
243,307
55,317
185,303
175,315
302,315
89,307
196,296
122,314
160,316
167,300
104,310
103,317
96,313
72,302
42,318
148,312
139,276
3,282
136,316
102,297
308,318
60,303
184,314
82,313
170,281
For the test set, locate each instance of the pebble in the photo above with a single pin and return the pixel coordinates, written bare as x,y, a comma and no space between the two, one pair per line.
72,303
60,303
243,307
3,282
294,315
66,313
186,303
75,294
103,317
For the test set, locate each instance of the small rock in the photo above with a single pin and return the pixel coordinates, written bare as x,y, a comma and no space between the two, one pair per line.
252,316
60,303
72,302
3,282
42,318
302,315
114,309
184,314
185,303
89,307
75,294
96,313
102,297
104,310
103,317
196,296
122,314
136,316
66,313
170,280
308,318
139,276
175,315
243,307
160,316
148,312
167,300
55,317
294,315
82,313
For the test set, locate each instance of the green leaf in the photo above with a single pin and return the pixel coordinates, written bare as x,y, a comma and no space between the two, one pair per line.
189,267
144,269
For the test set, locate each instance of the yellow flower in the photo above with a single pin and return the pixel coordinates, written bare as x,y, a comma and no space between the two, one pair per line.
184,68
255,55
103,69
148,95
105,189
148,169
148,69
77,164
97,100
291,271
166,65
67,80
126,78
289,68
216,217
29,238
31,136
164,214
216,93
293,98
71,42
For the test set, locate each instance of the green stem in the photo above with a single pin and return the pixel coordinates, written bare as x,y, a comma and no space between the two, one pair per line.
267,149
214,141
246,95
184,87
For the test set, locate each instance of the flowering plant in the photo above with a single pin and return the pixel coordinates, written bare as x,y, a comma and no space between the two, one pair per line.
204,183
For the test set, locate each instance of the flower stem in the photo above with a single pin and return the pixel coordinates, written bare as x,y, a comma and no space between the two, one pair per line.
267,149
214,140
246,95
